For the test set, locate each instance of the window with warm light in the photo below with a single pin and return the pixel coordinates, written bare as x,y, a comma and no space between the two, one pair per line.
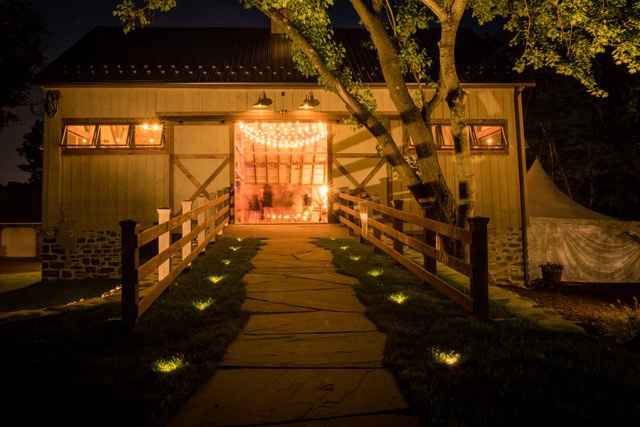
79,136
148,135
113,135
482,138
488,138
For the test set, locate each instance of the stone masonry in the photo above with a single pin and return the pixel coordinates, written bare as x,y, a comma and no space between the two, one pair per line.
505,256
81,255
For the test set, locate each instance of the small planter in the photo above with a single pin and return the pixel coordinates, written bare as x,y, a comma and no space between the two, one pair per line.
551,274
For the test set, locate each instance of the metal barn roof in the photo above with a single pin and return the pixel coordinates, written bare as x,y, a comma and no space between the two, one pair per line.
193,55
161,55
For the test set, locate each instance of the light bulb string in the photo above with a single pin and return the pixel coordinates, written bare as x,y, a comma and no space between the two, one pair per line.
291,135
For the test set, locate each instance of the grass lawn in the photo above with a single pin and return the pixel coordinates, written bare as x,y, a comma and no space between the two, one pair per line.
60,292
457,371
78,368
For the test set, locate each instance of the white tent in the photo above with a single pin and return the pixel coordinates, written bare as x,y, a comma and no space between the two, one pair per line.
591,247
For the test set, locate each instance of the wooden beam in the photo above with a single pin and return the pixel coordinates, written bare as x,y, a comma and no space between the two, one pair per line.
200,156
346,173
356,155
188,174
371,174
208,180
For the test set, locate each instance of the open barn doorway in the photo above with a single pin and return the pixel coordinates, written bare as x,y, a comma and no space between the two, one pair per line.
281,172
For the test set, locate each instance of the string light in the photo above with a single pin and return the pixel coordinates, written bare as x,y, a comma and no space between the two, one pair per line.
284,135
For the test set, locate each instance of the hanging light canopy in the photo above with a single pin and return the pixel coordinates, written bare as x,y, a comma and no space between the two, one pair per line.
284,135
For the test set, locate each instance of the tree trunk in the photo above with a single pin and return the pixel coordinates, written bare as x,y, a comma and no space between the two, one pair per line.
456,101
435,194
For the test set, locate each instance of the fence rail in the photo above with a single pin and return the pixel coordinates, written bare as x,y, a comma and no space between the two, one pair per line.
211,218
365,218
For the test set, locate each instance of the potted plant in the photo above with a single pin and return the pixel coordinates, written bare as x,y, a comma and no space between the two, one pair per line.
551,274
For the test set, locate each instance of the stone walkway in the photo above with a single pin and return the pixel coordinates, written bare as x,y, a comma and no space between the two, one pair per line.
308,355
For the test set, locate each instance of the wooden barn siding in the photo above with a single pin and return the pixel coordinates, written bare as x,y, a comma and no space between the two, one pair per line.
496,174
100,190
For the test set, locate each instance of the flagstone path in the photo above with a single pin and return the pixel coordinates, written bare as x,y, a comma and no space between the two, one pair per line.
308,356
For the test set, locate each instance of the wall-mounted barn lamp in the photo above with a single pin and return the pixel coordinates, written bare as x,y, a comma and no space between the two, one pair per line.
309,102
263,102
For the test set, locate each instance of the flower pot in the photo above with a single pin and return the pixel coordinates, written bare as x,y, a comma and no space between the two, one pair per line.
552,274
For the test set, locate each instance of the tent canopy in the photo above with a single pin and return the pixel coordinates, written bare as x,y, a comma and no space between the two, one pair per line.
591,247
544,199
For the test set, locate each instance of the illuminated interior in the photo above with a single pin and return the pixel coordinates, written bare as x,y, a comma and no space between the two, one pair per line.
280,172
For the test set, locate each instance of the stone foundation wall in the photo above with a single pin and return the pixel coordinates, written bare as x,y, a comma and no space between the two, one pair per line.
505,256
80,254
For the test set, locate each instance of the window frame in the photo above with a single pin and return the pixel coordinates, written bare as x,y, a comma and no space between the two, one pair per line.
96,148
474,147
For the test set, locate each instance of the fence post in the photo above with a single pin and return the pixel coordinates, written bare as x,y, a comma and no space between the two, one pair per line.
479,254
164,240
201,220
227,190
364,222
129,260
186,228
398,225
430,263
232,206
351,218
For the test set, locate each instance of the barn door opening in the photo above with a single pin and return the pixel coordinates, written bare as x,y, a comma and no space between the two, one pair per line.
280,172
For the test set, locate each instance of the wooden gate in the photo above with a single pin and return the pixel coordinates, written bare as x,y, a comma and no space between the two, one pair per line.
201,161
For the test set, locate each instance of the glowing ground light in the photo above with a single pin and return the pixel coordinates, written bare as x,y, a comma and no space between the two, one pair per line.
215,279
226,261
355,257
203,304
239,239
344,248
376,272
168,365
398,298
234,248
448,358
332,238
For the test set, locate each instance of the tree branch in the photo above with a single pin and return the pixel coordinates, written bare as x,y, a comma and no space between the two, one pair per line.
390,150
436,8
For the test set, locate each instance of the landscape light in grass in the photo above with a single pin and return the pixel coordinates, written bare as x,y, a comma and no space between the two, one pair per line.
234,248
226,261
398,298
332,238
344,248
448,358
215,279
239,239
168,365
203,304
376,272
355,257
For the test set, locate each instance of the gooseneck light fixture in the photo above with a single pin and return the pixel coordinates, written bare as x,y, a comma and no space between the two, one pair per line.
309,102
263,102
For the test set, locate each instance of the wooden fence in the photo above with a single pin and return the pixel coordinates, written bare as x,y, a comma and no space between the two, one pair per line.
367,219
211,218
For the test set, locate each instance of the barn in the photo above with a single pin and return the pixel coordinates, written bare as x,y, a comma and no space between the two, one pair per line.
144,121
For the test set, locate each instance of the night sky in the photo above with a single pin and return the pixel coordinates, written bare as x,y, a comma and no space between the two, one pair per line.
68,20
